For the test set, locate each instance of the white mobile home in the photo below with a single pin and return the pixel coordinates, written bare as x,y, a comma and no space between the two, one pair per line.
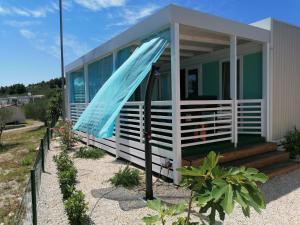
222,84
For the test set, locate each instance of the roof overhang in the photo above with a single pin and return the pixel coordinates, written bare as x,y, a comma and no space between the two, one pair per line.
162,19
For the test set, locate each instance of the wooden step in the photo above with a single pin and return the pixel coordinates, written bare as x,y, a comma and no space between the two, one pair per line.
236,154
261,160
280,168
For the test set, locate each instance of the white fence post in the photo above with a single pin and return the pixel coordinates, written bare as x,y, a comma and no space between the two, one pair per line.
175,81
233,87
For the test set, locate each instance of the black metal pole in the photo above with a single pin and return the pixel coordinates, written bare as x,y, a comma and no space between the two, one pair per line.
33,197
147,133
62,60
42,154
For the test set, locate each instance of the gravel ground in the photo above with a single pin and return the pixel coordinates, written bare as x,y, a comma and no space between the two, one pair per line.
50,207
119,206
116,206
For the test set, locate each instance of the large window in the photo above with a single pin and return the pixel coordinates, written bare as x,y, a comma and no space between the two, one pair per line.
98,73
77,87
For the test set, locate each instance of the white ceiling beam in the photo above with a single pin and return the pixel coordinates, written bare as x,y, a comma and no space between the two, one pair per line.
204,39
195,48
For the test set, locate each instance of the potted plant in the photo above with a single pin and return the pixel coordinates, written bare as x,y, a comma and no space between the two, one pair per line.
292,144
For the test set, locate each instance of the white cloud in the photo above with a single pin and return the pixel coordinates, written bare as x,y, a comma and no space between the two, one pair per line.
27,34
132,16
20,24
96,5
4,11
37,13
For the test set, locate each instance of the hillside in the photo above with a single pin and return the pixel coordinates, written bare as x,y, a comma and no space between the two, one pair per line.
41,88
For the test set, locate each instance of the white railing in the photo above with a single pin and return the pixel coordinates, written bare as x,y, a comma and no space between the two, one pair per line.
250,116
204,122
131,122
75,110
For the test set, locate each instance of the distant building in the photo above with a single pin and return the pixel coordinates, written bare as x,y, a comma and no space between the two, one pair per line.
19,100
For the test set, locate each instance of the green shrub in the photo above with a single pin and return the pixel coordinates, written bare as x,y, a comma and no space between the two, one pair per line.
67,181
89,153
292,142
76,208
36,110
63,161
55,107
67,137
215,190
126,177
67,173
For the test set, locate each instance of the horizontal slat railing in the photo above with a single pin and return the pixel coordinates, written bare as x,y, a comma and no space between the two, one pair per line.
132,122
75,110
204,122
250,116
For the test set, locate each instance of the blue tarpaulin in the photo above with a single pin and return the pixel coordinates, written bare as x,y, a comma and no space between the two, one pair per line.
99,117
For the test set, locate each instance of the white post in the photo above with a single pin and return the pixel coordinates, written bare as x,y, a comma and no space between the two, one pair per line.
117,134
233,88
266,92
175,84
86,95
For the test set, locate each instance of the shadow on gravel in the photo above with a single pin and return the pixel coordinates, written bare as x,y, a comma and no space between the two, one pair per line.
127,199
280,186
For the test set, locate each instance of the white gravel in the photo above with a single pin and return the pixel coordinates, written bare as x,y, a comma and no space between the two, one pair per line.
115,206
119,206
50,207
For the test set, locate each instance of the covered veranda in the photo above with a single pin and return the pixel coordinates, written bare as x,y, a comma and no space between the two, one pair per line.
201,98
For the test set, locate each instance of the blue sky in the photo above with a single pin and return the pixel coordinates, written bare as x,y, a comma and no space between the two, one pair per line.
29,38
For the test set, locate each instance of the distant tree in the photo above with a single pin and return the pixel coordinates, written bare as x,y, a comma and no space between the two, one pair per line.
55,107
36,110
4,117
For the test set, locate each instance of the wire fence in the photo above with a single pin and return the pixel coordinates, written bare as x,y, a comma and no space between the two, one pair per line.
27,212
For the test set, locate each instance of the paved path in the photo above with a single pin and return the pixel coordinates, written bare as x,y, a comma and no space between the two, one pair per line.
35,125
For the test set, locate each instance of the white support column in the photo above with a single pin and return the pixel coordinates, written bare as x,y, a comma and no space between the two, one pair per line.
86,94
175,84
266,92
67,96
233,87
117,134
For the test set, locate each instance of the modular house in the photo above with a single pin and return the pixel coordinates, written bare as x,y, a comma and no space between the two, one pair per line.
222,83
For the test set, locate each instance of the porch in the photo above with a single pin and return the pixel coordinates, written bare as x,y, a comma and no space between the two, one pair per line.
204,125
210,95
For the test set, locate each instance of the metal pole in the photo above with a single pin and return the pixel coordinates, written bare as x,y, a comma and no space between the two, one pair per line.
33,197
62,60
42,154
48,138
147,133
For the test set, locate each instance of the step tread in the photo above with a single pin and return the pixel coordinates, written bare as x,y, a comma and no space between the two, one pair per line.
236,154
260,160
280,168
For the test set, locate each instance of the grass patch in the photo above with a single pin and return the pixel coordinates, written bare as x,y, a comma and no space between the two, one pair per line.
126,177
16,158
89,153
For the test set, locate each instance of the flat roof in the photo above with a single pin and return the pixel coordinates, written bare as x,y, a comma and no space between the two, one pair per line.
162,19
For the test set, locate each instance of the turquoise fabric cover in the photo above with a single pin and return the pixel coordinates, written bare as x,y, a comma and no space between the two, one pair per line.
98,74
77,89
99,117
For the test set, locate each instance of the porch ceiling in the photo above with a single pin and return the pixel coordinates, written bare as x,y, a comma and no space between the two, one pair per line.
195,41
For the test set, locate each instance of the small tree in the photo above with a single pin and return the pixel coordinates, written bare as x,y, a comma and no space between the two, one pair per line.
4,117
215,190
55,107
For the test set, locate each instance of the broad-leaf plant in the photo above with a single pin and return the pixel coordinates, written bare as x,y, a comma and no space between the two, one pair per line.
214,190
